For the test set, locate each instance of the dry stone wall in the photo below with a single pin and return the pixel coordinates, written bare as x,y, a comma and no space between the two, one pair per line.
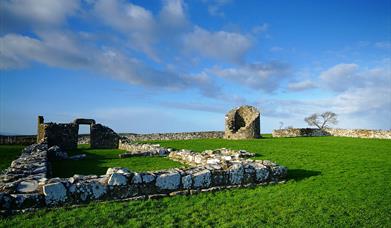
174,136
141,149
17,139
355,133
26,184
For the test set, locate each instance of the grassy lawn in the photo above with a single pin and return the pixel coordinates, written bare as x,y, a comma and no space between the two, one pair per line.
98,161
8,153
332,182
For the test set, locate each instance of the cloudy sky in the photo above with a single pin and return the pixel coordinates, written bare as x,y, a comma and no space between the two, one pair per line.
172,65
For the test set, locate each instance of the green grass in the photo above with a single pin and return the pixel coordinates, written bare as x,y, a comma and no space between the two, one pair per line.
8,153
98,161
333,181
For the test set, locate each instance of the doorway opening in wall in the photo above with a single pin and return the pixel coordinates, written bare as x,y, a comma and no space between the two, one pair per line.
84,136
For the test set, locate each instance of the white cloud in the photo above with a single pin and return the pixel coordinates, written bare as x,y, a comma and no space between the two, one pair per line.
218,45
17,14
266,77
18,51
361,102
172,15
135,22
300,86
340,76
65,51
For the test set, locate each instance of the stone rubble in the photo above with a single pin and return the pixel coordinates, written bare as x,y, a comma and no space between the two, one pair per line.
210,170
141,149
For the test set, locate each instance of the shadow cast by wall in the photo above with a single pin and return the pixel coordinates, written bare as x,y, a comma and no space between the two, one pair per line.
301,174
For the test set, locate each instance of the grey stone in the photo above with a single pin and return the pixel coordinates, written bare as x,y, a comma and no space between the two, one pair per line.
137,179
168,181
98,190
27,186
55,193
117,179
117,170
187,181
236,173
279,171
202,179
147,178
261,173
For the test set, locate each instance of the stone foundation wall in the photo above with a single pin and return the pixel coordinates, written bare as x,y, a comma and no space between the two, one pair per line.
25,185
140,149
174,136
17,139
355,133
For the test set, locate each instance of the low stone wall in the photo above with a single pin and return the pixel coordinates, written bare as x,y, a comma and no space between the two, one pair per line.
25,185
355,133
85,139
174,136
31,139
139,149
18,139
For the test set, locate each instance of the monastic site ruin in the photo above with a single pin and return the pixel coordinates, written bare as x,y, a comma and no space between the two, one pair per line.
29,184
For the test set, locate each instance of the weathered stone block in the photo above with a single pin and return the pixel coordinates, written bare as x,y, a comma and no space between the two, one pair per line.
168,181
55,193
262,173
117,179
147,178
117,170
202,179
27,186
187,182
236,173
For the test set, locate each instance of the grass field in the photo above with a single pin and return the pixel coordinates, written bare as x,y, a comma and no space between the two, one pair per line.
98,161
333,181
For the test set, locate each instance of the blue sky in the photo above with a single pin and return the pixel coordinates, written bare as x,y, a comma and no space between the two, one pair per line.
173,66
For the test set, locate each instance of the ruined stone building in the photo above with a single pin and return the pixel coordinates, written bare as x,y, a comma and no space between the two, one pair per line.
242,123
65,135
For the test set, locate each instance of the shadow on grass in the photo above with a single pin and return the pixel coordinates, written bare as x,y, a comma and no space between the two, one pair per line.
301,174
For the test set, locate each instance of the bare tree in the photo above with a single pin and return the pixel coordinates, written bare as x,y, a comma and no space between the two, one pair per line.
321,120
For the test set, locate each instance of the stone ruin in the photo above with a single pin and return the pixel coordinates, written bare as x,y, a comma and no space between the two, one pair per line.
28,183
242,123
65,135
